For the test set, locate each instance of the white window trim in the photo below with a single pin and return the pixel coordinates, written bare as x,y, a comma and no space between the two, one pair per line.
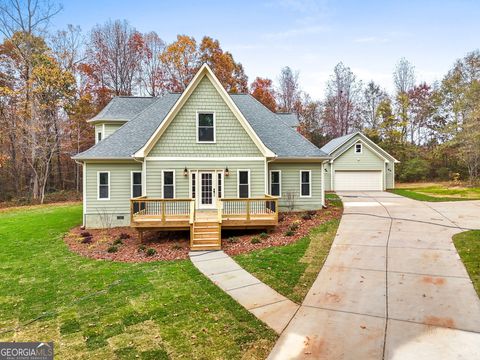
131,181
98,185
355,148
163,182
238,182
190,193
279,183
310,183
223,184
214,127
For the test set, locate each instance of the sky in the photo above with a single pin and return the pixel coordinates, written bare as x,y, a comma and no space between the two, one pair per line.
309,36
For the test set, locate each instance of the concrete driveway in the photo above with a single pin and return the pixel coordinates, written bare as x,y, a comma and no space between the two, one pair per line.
393,286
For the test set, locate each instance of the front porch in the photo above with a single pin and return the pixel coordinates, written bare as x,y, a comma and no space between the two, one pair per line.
205,225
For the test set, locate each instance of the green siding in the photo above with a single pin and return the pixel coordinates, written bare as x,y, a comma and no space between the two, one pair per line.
368,160
111,128
179,139
154,175
290,183
120,191
327,177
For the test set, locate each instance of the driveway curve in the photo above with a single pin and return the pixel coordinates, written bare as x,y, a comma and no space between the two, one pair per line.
392,287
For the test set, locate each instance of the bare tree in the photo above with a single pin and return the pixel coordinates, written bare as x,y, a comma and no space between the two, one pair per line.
404,76
115,54
288,92
67,47
373,95
342,105
152,77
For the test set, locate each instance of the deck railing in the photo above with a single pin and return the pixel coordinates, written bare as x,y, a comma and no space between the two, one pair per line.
176,209
250,207
161,209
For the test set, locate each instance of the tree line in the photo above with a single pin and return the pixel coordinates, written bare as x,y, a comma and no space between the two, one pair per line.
51,83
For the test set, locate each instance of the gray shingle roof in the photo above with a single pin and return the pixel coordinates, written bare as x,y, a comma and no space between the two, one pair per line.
124,142
123,108
335,143
289,118
274,133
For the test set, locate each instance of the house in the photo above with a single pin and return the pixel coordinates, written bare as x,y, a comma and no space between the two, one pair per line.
200,160
357,163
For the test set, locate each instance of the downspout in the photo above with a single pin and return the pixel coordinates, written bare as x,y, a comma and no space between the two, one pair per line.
322,169
144,174
84,191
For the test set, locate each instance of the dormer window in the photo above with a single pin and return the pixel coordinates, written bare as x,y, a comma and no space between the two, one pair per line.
358,148
99,136
205,127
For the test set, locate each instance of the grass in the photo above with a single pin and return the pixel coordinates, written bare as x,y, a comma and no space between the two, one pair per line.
468,246
100,309
438,192
292,269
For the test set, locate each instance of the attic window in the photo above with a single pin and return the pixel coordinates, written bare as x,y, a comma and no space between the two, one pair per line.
358,148
205,127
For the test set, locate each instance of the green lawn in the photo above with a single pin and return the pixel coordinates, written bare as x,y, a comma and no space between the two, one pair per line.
105,310
437,192
292,269
468,246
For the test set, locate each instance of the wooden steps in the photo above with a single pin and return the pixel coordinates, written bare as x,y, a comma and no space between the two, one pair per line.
205,235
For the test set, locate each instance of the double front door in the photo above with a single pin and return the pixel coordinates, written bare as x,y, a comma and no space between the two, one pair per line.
207,186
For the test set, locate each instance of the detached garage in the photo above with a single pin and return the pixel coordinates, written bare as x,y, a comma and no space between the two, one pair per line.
358,164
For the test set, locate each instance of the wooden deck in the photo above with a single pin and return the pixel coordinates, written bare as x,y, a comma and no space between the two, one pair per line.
204,225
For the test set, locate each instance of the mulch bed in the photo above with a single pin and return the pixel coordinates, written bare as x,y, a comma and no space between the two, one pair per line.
175,245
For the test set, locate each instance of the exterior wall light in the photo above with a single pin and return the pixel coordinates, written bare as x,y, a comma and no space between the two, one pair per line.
185,171
226,171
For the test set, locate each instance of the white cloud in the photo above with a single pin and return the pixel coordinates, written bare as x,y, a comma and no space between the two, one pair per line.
308,30
372,40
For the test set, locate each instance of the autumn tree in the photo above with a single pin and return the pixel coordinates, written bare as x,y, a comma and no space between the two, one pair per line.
180,61
228,72
404,80
262,90
373,95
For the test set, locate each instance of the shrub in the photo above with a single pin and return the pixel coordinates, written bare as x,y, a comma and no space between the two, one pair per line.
177,246
289,233
294,227
233,240
118,242
124,236
151,252
142,248
112,249
263,235
87,240
306,216
255,240
85,234
415,169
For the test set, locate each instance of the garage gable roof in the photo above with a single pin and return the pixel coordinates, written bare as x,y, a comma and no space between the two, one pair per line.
336,147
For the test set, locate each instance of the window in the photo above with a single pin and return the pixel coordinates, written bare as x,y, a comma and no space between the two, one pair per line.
219,184
103,185
99,136
168,184
136,184
358,148
206,127
243,183
305,183
193,184
275,186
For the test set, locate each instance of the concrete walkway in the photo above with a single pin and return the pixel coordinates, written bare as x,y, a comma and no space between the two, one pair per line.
393,286
262,301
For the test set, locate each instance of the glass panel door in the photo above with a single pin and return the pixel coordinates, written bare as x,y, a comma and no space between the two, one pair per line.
207,191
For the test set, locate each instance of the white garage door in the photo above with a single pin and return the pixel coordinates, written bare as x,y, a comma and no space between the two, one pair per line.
358,180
